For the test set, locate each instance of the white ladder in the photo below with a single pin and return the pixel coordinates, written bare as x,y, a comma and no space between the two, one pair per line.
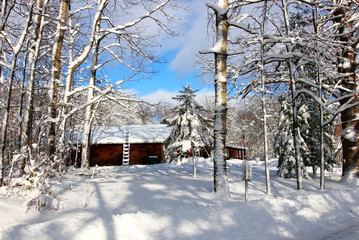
126,148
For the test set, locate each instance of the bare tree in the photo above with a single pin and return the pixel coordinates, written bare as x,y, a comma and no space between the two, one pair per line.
263,91
34,56
124,32
55,73
291,76
15,51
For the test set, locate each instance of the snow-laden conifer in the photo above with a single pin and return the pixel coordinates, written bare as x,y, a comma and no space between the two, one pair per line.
283,142
310,131
309,136
191,128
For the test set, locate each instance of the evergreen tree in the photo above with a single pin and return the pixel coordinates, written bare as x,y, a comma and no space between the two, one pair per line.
191,128
284,141
309,125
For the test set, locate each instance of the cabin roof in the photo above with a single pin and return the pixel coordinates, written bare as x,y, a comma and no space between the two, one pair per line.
156,133
235,146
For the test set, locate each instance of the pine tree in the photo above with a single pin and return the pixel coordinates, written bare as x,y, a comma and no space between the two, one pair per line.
310,125
191,128
309,136
283,141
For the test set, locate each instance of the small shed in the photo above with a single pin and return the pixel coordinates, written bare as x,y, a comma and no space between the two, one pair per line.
237,152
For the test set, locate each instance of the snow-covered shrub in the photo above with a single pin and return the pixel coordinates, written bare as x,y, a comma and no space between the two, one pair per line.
42,197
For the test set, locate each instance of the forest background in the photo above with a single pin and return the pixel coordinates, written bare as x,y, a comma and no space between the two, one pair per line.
298,58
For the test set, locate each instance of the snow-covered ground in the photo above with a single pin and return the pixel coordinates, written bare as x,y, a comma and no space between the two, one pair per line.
164,202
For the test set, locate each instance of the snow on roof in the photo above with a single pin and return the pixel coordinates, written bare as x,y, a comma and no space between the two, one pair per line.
235,146
156,133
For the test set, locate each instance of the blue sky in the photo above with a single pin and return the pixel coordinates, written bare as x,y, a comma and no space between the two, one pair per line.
167,78
179,55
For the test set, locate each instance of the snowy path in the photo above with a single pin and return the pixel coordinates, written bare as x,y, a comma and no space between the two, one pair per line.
164,202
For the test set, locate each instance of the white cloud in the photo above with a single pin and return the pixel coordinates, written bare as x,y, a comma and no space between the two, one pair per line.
194,39
205,94
162,95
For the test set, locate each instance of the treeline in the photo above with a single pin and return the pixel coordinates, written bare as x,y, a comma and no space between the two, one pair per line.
54,58
305,50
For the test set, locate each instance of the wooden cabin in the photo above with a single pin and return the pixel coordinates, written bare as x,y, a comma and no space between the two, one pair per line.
134,145
137,144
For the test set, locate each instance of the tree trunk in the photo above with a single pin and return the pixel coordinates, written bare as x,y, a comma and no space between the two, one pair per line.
315,12
348,67
321,110
55,78
33,59
86,142
75,63
264,109
6,8
194,159
293,90
220,116
22,100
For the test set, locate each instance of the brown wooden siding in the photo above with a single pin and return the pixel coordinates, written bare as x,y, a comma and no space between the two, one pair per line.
140,153
106,155
236,153
111,154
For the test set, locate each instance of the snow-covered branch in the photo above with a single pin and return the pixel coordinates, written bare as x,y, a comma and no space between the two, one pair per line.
246,28
120,28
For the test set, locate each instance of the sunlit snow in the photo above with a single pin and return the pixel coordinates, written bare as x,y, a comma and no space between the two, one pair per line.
162,201
156,133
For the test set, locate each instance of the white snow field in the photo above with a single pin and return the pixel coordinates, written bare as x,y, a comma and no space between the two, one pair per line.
164,202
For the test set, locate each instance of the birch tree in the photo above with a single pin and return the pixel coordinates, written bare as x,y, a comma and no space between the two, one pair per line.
220,82
74,65
81,48
263,91
328,32
6,8
334,27
278,60
255,56
85,158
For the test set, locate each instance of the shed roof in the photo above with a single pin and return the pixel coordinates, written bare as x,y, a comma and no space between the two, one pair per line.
156,133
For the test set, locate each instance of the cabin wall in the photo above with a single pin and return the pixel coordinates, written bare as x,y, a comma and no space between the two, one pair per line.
111,154
140,153
106,155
